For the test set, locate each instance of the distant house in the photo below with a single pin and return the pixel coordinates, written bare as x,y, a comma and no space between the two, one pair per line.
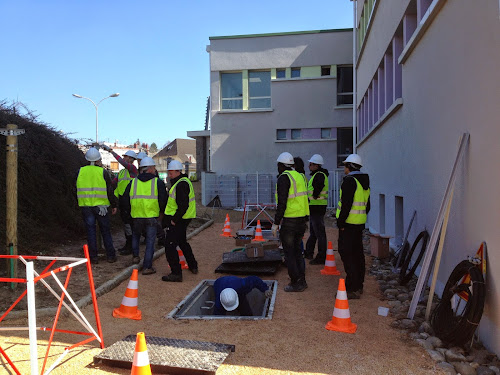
183,150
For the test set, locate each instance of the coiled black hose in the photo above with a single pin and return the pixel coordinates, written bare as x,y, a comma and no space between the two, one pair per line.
457,327
404,276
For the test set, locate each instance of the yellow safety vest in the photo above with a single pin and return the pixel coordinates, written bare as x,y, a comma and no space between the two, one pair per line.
357,214
144,198
172,203
296,205
91,187
123,181
323,195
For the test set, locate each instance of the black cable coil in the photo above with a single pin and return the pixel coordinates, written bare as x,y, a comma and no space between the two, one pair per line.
404,276
453,327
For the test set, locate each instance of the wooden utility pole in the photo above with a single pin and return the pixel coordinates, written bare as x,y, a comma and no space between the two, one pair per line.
11,233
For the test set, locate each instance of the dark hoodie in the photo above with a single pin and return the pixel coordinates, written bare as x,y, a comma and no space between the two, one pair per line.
181,197
162,193
318,185
348,189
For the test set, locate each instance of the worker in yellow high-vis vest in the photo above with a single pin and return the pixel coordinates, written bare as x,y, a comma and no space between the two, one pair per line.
317,192
292,210
181,209
145,198
95,195
353,207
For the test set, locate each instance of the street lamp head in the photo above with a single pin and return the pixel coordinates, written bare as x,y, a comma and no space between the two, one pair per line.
77,96
114,95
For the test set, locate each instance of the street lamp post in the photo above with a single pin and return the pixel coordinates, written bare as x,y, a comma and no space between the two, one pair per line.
96,111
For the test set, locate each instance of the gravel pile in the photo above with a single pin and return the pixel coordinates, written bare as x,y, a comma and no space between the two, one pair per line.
471,360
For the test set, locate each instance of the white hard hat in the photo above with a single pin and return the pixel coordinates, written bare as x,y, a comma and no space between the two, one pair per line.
285,158
229,299
316,159
354,158
93,154
174,165
130,153
147,162
141,155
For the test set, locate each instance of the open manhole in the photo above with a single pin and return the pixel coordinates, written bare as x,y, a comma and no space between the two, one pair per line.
199,304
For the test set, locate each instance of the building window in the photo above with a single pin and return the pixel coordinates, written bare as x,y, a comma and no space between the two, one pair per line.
325,70
295,72
296,133
259,89
280,134
280,73
344,85
344,144
231,90
326,133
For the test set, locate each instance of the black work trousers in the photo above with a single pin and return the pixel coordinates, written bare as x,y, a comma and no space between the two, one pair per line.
291,232
351,253
176,236
316,233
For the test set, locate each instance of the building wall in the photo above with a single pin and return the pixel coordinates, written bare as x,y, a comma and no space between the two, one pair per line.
450,86
247,140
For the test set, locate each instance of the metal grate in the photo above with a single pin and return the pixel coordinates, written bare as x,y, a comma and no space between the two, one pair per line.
172,356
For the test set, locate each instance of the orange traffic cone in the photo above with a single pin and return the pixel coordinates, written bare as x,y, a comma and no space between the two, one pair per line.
226,232
140,364
182,259
341,319
258,233
330,266
128,308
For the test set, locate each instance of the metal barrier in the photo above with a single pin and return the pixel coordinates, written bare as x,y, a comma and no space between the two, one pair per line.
235,189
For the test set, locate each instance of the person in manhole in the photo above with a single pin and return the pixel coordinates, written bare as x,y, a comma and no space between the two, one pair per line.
292,209
180,210
231,294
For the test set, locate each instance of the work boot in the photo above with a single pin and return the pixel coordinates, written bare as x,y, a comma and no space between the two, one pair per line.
111,259
136,260
194,270
353,295
317,261
302,285
172,277
94,260
127,248
308,256
148,271
295,287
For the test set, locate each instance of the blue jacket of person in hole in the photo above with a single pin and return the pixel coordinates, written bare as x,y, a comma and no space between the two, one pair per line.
230,294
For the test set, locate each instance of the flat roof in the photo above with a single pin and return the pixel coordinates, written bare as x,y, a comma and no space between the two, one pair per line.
279,34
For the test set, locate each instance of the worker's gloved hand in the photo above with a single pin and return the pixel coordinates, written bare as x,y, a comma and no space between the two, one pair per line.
107,148
103,210
274,230
268,293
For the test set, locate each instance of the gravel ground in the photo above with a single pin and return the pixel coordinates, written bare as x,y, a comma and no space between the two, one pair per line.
294,341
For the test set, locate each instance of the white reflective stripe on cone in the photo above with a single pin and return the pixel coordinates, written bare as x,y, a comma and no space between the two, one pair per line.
131,302
341,294
341,313
133,284
141,359
330,263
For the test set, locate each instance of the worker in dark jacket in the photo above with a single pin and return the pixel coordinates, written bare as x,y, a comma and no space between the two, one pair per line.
145,198
317,193
353,207
230,293
292,210
180,210
95,195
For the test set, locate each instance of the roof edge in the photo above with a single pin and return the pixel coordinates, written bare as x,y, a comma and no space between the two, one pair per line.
279,34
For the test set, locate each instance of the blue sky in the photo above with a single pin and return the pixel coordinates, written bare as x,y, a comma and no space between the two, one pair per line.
151,52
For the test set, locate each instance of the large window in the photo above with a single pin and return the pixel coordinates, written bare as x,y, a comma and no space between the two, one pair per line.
231,91
259,89
344,144
344,85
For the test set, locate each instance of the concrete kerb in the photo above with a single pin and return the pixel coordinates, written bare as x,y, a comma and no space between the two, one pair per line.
104,288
